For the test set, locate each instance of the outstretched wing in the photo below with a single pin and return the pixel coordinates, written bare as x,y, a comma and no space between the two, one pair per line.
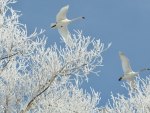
125,63
64,32
62,13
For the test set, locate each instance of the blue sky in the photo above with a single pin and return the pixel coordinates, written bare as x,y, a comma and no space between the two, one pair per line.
125,23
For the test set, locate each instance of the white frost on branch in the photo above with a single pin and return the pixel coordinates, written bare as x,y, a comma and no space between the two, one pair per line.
36,78
137,102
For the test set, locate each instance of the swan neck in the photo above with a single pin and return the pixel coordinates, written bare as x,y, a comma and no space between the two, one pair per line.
76,19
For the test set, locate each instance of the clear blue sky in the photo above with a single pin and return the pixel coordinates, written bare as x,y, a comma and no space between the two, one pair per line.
125,23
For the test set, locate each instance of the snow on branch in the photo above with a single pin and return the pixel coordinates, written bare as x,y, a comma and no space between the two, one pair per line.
37,78
137,102
61,62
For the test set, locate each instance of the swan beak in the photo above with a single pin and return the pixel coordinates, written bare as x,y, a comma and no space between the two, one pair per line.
53,26
120,79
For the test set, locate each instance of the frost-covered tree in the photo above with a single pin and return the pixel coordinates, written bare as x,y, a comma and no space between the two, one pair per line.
35,78
138,100
39,79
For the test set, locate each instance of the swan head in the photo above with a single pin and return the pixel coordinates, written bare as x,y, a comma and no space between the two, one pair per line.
83,17
53,25
120,79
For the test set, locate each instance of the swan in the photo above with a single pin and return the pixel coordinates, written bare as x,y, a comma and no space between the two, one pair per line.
129,74
61,24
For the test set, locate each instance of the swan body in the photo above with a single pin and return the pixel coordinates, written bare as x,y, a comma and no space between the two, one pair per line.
59,25
129,74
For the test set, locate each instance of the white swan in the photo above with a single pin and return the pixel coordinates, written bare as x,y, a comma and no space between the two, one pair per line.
61,24
129,74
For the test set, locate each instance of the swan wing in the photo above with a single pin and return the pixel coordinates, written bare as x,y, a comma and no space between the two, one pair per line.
125,63
65,34
62,13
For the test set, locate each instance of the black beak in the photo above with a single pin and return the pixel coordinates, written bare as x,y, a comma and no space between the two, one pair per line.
120,79
53,26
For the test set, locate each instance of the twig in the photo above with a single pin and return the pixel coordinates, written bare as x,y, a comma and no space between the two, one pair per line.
7,61
9,56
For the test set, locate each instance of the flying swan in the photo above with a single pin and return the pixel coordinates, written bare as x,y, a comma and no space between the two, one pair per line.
129,74
61,24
